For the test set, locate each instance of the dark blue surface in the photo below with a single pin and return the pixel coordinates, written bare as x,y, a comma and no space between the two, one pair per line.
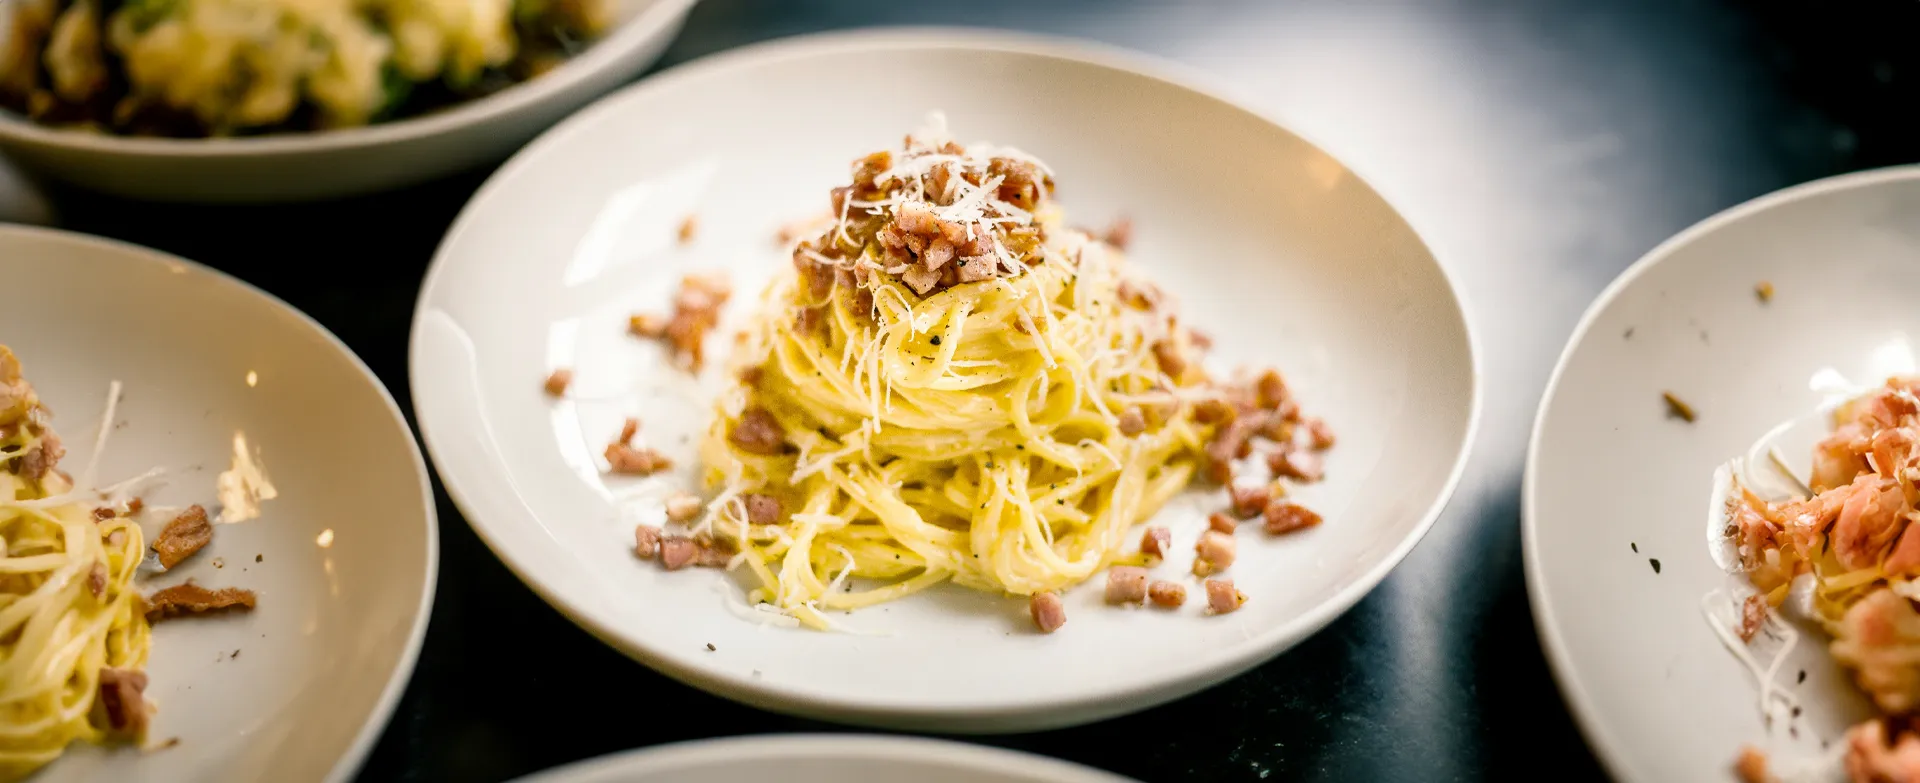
1540,146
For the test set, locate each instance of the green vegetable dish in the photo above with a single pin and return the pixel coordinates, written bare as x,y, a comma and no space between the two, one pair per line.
192,68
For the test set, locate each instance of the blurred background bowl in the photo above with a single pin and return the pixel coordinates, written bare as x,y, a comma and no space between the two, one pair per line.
350,161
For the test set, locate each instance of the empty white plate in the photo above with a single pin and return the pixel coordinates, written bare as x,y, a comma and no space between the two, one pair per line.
1275,248
822,758
342,558
1613,483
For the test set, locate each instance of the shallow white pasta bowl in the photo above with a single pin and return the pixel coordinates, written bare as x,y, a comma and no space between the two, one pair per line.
823,758
342,557
296,166
1614,483
1272,246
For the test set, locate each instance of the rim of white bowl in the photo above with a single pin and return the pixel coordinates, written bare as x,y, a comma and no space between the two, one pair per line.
695,754
370,731
658,15
758,692
1579,703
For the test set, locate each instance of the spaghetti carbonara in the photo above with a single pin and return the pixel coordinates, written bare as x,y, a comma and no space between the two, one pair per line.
73,636
952,386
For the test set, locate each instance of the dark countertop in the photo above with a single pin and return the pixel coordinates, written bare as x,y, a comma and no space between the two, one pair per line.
1540,146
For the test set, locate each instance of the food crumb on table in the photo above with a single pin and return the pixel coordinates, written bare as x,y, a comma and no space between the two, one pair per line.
1764,290
1678,408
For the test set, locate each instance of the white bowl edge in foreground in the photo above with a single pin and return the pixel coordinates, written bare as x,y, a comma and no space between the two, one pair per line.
822,758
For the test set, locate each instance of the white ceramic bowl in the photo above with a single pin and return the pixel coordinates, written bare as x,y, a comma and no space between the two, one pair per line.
1613,482
351,161
343,559
822,758
1274,247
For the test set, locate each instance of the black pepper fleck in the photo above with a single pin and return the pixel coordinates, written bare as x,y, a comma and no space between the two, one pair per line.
1636,547
259,558
710,647
1656,564
935,340
1628,335
1803,677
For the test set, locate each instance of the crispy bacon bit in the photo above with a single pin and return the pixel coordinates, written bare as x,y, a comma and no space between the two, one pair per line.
629,461
1048,613
1126,585
1201,341
1222,598
1230,442
683,507
1284,516
1753,613
1296,464
1167,354
1220,522
1875,757
1752,766
1319,435
647,325
677,551
628,429
920,279
973,269
135,505
1871,516
819,275
1132,422
1119,234
558,382
41,459
810,321
122,699
762,509
1213,411
1139,295
102,514
646,541
97,579
758,432
1156,540
182,537
696,310
1875,639
689,228
751,376
1248,502
190,598
1166,594
1270,390
1678,408
1216,551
